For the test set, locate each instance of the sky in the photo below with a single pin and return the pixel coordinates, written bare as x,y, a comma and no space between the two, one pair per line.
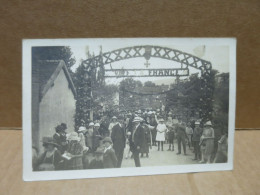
217,54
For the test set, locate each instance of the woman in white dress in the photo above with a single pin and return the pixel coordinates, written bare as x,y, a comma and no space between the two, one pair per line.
161,132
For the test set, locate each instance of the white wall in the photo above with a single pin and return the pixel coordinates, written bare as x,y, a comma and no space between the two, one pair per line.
57,106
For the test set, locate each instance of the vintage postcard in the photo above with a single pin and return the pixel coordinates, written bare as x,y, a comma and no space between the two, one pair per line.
127,106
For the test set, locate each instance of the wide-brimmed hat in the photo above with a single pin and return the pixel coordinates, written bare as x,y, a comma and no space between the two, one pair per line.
107,139
114,117
161,120
197,123
137,119
49,140
91,124
82,129
97,125
73,136
208,123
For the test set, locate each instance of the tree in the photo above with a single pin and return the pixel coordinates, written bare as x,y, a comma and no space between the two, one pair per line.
149,84
54,53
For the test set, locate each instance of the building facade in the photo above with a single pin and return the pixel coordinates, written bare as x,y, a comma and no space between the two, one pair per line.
53,99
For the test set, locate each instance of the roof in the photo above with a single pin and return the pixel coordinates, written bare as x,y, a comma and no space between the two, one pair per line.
48,72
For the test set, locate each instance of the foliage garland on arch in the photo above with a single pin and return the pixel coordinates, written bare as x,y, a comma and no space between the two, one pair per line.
91,73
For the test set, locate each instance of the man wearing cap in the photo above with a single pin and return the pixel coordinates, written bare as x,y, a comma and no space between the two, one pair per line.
136,140
119,138
196,140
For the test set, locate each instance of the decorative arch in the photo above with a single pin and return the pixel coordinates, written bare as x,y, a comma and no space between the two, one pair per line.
94,73
148,51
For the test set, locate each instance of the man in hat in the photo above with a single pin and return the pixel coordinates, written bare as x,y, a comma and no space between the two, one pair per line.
119,138
181,136
196,140
136,140
109,157
112,124
207,142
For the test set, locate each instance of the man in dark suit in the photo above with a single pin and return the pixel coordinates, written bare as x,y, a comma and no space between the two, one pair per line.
118,137
136,140
181,136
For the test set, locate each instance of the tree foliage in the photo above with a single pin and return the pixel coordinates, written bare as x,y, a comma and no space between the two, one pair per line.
54,53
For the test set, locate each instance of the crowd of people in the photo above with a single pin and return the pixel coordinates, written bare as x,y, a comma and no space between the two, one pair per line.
103,143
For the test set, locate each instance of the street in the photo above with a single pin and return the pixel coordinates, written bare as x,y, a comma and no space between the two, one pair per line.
161,158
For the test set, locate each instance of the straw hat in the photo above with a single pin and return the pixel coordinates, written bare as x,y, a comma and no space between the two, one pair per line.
91,124
114,117
73,136
197,123
208,123
137,119
97,125
82,129
161,120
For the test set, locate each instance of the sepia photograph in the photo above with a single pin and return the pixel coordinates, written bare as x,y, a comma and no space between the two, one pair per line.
127,106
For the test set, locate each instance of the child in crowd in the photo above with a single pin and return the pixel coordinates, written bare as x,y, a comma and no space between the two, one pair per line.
97,162
109,157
